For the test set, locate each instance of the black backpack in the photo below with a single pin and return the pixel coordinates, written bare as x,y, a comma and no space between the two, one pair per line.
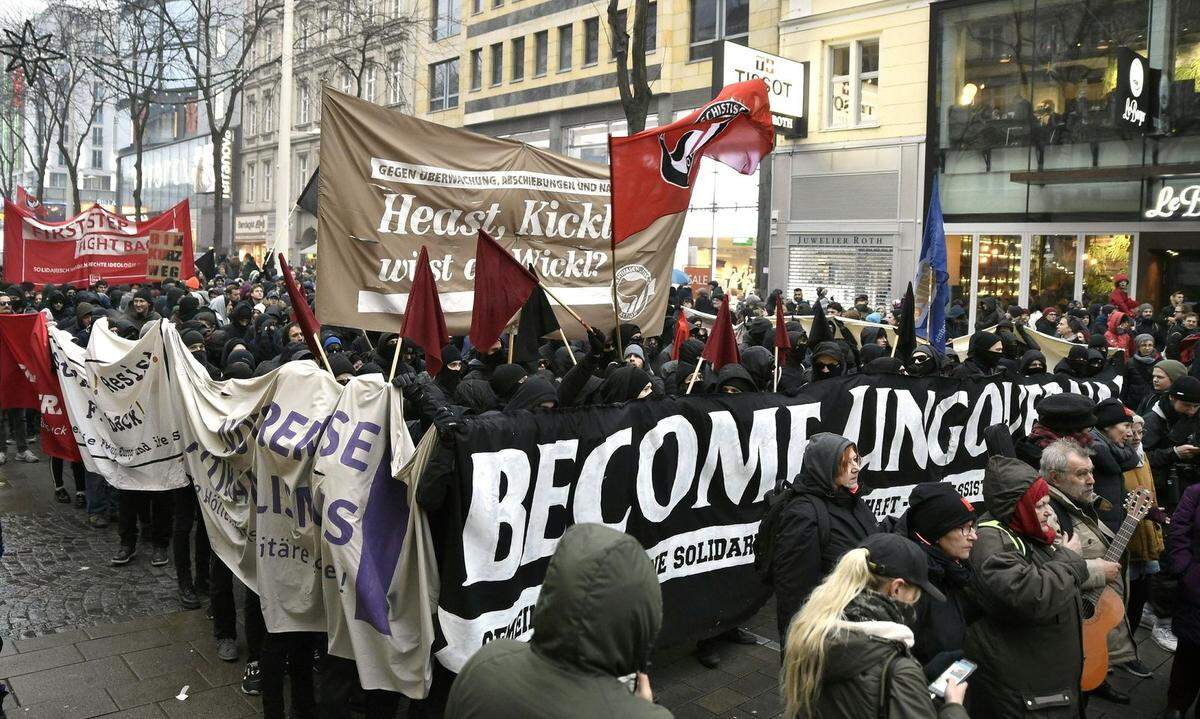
764,541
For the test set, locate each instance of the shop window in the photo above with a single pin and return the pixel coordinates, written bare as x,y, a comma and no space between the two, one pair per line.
1000,267
1103,257
853,98
958,267
1051,270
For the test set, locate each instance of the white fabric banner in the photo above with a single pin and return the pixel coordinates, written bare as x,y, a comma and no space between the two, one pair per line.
120,407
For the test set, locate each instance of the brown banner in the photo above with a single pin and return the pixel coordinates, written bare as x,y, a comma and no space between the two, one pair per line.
165,255
390,183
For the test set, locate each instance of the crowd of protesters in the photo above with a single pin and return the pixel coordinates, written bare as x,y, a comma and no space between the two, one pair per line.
869,613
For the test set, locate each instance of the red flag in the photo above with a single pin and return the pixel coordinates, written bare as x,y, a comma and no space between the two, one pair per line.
781,337
424,322
300,309
31,203
502,286
26,361
721,348
653,171
682,331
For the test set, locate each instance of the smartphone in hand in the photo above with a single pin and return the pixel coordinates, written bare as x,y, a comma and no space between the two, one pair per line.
958,671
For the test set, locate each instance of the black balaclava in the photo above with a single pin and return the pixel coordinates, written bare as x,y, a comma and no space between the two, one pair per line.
981,352
622,385
922,362
446,377
506,379
1028,368
828,349
1077,361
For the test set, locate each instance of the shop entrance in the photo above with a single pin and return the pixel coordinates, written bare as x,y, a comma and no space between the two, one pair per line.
1168,261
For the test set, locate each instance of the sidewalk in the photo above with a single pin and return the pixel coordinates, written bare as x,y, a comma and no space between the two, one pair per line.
85,639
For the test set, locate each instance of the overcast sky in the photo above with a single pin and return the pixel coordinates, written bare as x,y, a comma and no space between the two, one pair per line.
21,9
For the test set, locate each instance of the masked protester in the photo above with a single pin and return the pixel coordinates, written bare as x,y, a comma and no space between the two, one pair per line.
1033,364
827,361
793,375
451,373
1075,364
923,362
848,654
983,359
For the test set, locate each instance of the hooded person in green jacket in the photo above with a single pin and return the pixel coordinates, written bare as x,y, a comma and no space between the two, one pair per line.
594,625
1028,643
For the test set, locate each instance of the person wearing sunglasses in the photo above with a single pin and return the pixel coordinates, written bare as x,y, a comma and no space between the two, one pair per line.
942,523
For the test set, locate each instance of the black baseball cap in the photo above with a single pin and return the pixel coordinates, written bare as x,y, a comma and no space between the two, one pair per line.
891,555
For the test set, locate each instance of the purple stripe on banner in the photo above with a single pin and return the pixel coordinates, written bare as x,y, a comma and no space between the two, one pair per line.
383,527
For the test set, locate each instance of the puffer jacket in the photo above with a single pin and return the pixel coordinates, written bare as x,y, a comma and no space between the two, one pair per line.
869,658
1116,339
596,619
1028,643
1184,561
802,557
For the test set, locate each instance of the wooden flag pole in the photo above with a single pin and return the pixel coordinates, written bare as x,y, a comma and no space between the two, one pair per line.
612,244
564,305
321,349
775,387
512,337
695,374
567,344
395,359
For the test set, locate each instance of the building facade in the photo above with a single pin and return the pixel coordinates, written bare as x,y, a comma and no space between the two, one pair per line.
846,200
1051,181
362,47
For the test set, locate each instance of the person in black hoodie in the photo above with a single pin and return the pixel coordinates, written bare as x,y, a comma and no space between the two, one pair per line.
1075,365
1033,365
793,375
983,359
828,361
989,314
922,362
821,517
534,393
942,523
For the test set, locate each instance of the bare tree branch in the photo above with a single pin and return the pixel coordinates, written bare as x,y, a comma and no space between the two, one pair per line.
634,87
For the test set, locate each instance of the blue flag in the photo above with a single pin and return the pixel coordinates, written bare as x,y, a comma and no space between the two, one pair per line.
932,283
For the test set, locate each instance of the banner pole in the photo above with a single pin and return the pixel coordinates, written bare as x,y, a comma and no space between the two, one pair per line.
612,243
395,359
512,337
695,374
775,383
363,332
321,349
570,351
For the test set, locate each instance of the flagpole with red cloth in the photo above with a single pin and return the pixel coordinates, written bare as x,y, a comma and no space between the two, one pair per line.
782,344
303,313
424,322
682,331
721,348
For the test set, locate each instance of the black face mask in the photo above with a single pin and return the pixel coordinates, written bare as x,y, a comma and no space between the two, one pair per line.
825,371
920,365
201,356
1079,367
495,359
449,378
1033,369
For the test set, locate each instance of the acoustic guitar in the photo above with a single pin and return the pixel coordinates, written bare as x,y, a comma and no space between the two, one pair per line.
1106,606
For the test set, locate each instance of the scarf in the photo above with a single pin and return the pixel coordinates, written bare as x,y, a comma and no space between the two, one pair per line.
1043,436
1024,520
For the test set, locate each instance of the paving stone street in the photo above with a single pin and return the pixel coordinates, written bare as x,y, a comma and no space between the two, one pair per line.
85,639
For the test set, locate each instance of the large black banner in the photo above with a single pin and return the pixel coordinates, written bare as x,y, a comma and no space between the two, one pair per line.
687,477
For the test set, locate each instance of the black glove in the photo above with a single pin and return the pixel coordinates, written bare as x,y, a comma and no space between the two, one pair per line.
596,341
445,421
405,380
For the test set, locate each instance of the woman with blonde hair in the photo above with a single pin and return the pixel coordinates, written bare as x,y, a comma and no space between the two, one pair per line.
848,653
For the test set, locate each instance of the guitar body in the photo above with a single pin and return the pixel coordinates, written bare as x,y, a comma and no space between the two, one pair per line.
1106,617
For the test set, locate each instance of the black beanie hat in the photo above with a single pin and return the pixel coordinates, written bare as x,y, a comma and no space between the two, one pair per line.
1066,412
935,508
450,354
1111,411
238,370
1186,388
192,337
144,294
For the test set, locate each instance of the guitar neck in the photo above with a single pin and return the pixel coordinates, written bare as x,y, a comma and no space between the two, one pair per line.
1117,548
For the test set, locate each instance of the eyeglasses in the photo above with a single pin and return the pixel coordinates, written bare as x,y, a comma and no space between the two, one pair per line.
967,530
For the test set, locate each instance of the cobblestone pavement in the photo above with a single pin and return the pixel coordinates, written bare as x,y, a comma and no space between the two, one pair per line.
83,639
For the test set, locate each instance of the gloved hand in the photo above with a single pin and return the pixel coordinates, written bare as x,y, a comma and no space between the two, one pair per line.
445,420
596,342
405,380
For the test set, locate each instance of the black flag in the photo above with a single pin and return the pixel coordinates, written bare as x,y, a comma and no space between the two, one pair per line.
537,321
906,333
207,263
819,332
308,197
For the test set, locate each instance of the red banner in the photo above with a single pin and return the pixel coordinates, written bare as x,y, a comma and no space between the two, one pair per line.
96,244
30,382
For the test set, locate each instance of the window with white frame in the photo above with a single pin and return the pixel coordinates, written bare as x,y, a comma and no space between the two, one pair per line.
302,103
97,135
348,84
396,80
252,116
302,41
714,21
852,98
266,181
369,84
446,16
251,181
268,119
97,158
302,170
